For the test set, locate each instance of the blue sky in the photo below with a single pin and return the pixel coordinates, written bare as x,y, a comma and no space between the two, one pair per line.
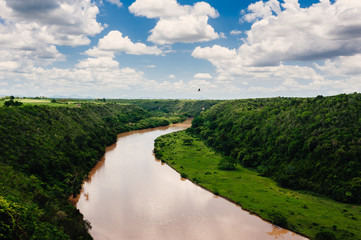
170,49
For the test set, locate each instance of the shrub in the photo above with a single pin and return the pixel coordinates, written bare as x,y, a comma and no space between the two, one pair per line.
183,175
187,141
227,163
11,102
325,236
278,219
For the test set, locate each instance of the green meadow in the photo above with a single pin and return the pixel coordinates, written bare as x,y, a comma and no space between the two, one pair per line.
299,211
45,101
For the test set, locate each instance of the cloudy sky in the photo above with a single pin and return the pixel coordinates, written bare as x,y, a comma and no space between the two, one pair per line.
170,49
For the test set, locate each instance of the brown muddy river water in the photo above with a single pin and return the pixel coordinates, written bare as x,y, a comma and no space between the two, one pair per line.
130,195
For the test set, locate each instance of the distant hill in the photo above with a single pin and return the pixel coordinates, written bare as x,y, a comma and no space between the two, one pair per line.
188,108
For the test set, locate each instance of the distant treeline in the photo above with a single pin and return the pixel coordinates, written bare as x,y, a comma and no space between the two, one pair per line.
45,153
189,108
303,143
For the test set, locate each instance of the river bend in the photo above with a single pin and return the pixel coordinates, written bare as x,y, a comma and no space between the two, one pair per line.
130,195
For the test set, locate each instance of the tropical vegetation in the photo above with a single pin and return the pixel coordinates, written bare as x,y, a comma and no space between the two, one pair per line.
46,152
311,144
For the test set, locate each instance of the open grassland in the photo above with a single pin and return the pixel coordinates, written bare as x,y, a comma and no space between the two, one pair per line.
58,102
296,210
42,102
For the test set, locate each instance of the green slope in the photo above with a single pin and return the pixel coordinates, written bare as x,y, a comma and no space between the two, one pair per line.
303,143
188,108
45,154
301,212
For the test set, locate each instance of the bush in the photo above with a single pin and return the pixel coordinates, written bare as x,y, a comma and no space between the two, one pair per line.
325,236
187,141
183,175
278,219
227,163
11,102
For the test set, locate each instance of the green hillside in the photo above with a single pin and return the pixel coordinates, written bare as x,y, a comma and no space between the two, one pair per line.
311,144
316,217
45,154
188,108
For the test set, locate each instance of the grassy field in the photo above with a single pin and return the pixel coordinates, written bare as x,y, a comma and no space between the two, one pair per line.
58,103
298,211
33,101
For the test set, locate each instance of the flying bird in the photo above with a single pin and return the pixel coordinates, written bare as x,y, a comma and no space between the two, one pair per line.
199,89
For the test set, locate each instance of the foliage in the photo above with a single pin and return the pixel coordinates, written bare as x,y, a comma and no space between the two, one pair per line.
279,219
227,163
299,211
325,236
25,204
312,144
188,141
11,102
183,175
189,108
48,151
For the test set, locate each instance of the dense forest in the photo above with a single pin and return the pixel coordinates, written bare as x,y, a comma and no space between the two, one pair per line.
189,108
45,154
312,144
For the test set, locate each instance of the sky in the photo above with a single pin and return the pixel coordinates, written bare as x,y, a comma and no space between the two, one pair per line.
166,49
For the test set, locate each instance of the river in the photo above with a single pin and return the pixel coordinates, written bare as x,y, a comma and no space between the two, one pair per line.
129,195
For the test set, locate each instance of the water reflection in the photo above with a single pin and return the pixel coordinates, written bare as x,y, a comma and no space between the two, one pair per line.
132,196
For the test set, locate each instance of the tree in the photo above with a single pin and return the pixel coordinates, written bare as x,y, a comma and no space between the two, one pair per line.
227,163
11,102
188,141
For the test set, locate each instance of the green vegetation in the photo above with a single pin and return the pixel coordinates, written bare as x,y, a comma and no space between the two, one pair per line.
41,102
11,102
227,163
314,216
30,209
161,107
189,108
311,144
46,152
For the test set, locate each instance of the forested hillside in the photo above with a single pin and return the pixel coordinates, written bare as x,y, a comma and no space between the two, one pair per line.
45,154
188,108
303,143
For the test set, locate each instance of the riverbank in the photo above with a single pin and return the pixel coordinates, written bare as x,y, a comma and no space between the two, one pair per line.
131,195
46,152
177,123
298,211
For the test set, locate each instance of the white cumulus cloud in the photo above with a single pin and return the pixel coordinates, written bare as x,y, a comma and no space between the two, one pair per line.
202,76
172,76
114,41
262,10
177,23
116,2
284,43
236,32
31,30
324,30
342,66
